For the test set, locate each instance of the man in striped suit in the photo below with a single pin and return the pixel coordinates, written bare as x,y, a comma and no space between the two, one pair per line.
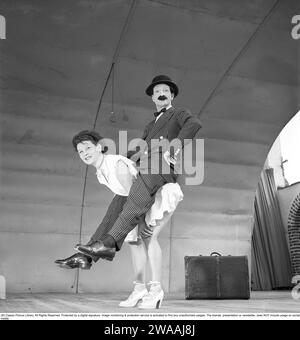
169,124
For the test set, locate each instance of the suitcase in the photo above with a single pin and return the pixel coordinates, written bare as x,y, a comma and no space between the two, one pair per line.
216,277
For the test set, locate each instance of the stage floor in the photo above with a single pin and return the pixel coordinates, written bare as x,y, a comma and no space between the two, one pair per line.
260,302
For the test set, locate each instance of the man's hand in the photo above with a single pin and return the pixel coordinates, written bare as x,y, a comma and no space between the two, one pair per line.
171,159
135,156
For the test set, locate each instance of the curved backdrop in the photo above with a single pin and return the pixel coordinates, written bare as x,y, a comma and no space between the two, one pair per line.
237,68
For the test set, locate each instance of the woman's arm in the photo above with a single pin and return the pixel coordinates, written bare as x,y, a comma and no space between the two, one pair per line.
124,175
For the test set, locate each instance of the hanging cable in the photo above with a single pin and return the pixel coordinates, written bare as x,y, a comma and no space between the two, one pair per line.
102,94
113,117
115,58
238,57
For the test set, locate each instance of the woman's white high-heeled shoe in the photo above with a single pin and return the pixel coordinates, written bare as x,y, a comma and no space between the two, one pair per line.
154,298
136,296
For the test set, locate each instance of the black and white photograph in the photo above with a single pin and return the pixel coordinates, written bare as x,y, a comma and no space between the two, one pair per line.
149,162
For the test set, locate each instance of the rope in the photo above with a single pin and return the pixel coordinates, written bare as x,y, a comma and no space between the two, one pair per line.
237,58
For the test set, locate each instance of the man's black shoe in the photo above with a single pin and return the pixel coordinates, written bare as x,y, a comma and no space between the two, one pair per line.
97,250
76,261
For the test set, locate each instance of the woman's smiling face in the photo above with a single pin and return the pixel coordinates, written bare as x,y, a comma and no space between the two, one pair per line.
89,152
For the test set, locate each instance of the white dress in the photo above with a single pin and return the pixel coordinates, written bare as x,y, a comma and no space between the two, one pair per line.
166,198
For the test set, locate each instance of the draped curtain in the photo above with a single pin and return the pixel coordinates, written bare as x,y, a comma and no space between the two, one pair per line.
271,264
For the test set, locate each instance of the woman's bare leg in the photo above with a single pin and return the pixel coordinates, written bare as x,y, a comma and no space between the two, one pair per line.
139,261
156,293
154,250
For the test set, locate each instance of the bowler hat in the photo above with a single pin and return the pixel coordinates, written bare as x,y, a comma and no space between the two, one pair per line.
162,80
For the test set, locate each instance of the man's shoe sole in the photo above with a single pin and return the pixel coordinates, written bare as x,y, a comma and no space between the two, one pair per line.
65,266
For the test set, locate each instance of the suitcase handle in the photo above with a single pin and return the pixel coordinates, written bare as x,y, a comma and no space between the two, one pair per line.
215,254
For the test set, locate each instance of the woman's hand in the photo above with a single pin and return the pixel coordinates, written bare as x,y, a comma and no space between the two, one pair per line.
145,231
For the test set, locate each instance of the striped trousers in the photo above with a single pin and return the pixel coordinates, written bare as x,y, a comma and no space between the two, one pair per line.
114,210
141,198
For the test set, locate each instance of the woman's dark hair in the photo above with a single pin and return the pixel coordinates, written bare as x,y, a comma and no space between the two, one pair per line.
87,135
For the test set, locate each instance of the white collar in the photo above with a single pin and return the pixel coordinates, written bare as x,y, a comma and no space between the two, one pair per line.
100,163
